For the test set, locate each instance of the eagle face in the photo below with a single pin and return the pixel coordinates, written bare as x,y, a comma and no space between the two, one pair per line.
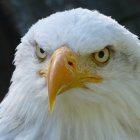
76,77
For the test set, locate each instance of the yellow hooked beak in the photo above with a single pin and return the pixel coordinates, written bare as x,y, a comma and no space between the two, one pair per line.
63,74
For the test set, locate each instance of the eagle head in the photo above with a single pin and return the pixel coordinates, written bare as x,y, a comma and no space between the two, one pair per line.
76,78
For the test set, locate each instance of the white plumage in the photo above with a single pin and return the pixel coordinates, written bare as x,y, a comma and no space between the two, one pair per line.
109,110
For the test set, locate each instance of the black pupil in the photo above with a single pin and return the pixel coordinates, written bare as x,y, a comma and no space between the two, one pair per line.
101,54
41,50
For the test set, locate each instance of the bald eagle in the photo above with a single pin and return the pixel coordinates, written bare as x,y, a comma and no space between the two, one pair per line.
77,77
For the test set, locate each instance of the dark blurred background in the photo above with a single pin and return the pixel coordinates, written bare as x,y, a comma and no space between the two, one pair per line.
16,17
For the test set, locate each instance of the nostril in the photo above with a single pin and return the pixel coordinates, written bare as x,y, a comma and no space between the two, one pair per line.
70,63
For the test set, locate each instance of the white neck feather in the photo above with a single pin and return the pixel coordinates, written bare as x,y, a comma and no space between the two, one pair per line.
79,114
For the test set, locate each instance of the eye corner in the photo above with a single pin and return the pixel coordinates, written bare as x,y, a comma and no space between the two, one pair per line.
110,48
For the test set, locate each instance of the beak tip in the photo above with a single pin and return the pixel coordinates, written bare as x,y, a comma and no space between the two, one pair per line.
51,106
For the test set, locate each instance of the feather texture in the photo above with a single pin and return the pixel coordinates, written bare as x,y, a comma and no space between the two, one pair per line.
106,111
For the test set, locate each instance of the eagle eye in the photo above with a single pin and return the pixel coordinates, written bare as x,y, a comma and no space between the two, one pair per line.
101,57
40,53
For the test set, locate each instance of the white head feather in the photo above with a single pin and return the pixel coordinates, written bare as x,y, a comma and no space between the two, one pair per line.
106,111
